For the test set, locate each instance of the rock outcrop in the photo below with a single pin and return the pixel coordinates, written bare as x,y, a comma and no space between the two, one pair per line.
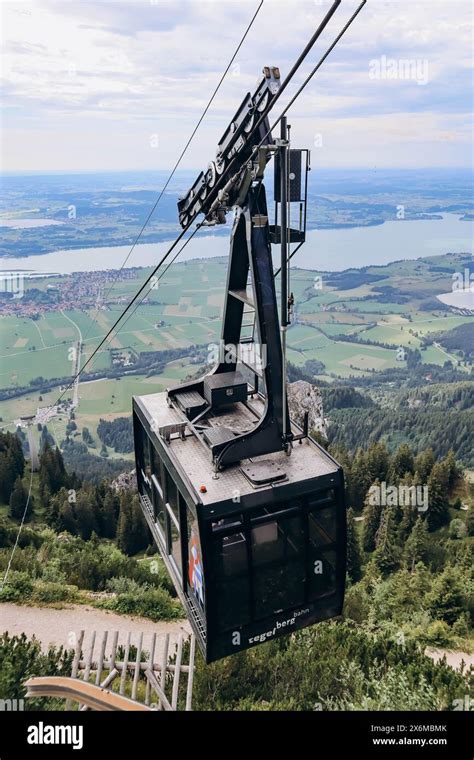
125,481
305,397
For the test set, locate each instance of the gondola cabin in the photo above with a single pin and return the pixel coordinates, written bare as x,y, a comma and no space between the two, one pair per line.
256,552
246,509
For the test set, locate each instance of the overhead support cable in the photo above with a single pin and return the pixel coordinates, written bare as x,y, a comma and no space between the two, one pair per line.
254,152
153,209
277,121
163,190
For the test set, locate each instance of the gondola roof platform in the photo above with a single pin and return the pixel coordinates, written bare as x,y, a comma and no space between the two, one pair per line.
307,460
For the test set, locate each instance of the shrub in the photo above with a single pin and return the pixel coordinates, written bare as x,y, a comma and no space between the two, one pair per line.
438,633
153,603
47,592
333,665
461,626
53,574
20,659
123,585
17,588
457,529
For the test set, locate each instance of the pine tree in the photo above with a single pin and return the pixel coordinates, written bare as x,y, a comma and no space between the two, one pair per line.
141,538
415,547
359,481
46,439
51,513
59,471
16,453
371,514
438,505
341,454
12,463
84,515
7,479
470,522
424,464
354,562
399,509
377,461
109,514
401,463
19,500
66,519
449,462
407,522
52,473
447,596
96,506
386,551
124,526
132,531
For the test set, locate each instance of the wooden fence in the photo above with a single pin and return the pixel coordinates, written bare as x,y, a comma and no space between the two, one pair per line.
157,672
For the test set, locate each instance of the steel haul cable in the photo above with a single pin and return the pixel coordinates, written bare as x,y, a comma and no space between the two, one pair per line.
263,116
154,207
254,152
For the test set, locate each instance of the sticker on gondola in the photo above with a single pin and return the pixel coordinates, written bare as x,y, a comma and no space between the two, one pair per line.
195,569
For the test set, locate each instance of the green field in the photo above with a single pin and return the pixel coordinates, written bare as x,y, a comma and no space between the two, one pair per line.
188,300
106,399
185,310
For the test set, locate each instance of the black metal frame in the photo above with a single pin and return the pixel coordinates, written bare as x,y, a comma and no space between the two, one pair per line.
250,251
217,188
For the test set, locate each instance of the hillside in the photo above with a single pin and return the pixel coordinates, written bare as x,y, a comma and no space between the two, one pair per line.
409,573
371,329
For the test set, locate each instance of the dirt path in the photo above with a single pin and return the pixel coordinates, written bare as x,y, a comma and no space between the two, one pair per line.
60,627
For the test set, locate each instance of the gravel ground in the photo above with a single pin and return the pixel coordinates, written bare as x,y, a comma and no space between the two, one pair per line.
61,626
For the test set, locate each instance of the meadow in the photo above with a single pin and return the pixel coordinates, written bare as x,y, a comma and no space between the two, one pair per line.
353,322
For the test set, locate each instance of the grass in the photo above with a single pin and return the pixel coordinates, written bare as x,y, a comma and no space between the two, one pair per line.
106,399
189,300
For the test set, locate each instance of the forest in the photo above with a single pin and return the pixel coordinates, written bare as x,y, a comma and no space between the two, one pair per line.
117,434
422,428
409,586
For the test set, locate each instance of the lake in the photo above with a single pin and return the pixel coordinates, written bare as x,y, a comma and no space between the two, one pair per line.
327,250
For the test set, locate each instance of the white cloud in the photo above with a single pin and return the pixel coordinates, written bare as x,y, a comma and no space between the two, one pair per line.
86,83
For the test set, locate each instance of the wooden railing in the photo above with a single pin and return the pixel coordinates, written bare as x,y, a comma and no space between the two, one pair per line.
159,677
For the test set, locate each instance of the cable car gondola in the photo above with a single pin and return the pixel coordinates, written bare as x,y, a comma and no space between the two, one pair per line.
257,552
246,509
